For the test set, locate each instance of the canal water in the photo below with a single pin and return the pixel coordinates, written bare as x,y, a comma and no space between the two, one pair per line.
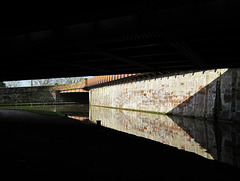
218,141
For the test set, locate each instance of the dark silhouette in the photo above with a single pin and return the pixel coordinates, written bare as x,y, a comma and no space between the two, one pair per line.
45,148
2,84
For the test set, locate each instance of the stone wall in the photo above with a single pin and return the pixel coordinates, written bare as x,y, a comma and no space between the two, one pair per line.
27,95
209,94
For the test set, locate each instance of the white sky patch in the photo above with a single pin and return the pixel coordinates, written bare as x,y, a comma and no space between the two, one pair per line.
28,83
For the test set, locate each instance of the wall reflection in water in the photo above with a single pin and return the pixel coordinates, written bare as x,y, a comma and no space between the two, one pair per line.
212,141
157,127
220,141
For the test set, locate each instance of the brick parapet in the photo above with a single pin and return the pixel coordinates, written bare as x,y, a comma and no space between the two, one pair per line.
94,81
97,80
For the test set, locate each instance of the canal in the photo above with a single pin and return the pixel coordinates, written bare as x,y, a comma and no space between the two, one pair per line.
218,141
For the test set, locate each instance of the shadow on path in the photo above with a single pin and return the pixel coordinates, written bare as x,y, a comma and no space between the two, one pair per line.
39,147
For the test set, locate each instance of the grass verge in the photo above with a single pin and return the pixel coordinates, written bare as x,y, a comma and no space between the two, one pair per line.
136,110
43,112
37,104
36,111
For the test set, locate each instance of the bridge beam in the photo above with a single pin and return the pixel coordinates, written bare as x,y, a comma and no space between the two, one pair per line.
188,52
122,59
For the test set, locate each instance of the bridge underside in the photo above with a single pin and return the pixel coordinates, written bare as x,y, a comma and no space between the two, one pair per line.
79,97
122,39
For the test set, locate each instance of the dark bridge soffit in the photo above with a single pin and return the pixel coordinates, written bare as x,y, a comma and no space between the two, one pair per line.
186,50
126,40
79,66
121,59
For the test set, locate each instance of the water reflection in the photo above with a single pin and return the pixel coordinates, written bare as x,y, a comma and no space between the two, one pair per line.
219,141
80,110
211,140
160,128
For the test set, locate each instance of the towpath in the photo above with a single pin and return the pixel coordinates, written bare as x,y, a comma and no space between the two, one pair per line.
40,147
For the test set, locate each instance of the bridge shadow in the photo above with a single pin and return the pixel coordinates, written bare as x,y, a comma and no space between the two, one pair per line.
79,97
38,146
217,126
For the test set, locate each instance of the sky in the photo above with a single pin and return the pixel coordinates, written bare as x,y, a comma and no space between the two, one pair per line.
27,83
23,83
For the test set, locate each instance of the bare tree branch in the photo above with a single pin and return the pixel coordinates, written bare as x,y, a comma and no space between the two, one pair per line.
13,83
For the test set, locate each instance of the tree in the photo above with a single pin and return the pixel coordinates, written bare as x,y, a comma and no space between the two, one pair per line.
13,83
2,84
56,81
41,82
69,80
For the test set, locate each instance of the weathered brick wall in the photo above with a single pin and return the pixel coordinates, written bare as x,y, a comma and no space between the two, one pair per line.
27,95
211,93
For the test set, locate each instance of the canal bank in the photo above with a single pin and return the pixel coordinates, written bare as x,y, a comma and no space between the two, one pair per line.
35,144
212,140
207,94
43,95
34,104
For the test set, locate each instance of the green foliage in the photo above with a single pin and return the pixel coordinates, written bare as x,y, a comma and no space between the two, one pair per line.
2,84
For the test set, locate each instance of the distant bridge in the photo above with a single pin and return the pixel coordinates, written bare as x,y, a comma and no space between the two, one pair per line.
73,90
95,81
